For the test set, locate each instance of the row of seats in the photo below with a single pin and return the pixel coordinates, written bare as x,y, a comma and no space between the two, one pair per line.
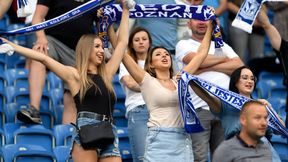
50,140
271,84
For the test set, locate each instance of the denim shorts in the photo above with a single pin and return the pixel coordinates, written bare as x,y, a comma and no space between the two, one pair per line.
168,144
110,150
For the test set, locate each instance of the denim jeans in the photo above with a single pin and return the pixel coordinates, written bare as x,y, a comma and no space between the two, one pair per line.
137,130
110,150
168,145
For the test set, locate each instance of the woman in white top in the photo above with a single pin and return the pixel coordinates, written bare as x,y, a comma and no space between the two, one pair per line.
139,43
166,138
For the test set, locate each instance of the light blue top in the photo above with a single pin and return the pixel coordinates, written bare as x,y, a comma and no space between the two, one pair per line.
229,117
163,30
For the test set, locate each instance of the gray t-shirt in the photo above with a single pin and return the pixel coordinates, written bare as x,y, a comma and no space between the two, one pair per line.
236,150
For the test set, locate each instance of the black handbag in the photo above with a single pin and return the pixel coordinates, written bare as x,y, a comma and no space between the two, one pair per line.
98,135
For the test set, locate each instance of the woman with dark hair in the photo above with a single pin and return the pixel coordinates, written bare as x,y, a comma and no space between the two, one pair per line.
139,44
235,77
242,81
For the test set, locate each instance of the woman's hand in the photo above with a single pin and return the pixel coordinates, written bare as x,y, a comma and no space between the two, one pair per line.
177,76
41,45
100,12
264,102
4,40
128,3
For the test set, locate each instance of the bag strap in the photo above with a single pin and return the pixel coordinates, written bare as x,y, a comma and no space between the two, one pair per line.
110,107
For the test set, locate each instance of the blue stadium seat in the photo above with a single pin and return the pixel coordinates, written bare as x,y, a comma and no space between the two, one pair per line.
125,149
14,75
54,81
120,121
19,78
4,22
3,83
282,112
21,40
268,81
21,96
35,135
281,146
119,118
276,102
62,154
9,129
56,96
27,153
280,92
63,134
2,140
118,88
47,117
10,111
122,132
15,61
124,145
58,113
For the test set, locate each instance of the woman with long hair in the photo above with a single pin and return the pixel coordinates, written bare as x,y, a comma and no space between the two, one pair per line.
139,43
166,139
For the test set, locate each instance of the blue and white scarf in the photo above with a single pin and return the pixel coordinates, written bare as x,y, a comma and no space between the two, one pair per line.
24,8
247,14
191,121
60,19
112,13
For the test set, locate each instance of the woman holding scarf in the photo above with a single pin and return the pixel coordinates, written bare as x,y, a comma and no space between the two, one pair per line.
166,138
242,81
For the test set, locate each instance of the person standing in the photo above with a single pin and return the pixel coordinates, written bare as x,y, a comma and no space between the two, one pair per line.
139,44
216,68
58,42
280,46
166,138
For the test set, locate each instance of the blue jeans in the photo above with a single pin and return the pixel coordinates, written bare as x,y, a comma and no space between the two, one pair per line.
168,145
137,130
110,150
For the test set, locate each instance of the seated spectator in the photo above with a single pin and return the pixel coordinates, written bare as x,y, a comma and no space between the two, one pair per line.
248,144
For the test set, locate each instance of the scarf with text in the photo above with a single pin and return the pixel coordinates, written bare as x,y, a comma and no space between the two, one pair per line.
76,12
247,14
191,121
112,13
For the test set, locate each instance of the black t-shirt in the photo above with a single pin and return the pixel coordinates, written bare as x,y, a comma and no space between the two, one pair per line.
96,101
69,32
